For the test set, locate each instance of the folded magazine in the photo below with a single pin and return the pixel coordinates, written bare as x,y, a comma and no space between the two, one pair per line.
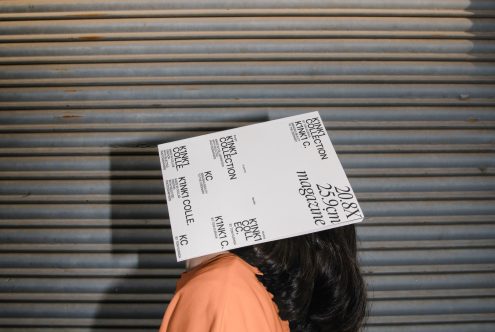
254,184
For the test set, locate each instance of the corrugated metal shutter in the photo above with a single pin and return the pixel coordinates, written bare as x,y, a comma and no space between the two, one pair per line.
88,88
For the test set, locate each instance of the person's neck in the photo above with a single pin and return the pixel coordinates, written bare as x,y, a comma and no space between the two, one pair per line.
193,262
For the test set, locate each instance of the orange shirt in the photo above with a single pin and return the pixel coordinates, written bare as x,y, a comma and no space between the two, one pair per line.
222,294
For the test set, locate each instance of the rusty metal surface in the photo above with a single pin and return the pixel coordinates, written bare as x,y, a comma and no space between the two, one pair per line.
87,89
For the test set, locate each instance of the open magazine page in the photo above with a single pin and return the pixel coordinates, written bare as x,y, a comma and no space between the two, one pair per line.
254,184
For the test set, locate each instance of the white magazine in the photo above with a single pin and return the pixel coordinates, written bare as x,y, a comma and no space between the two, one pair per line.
254,184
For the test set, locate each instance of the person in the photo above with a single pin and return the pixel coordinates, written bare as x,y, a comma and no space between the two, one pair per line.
306,283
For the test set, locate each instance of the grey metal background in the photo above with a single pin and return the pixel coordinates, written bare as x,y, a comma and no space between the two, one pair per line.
88,88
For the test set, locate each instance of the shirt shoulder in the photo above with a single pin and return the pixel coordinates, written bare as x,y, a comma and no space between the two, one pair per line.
223,295
222,271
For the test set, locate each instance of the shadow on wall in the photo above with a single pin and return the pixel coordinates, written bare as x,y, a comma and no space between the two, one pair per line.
142,269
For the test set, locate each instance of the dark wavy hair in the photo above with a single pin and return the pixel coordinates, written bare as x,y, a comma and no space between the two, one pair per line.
315,279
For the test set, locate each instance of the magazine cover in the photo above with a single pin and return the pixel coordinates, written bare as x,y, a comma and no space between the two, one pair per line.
254,184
